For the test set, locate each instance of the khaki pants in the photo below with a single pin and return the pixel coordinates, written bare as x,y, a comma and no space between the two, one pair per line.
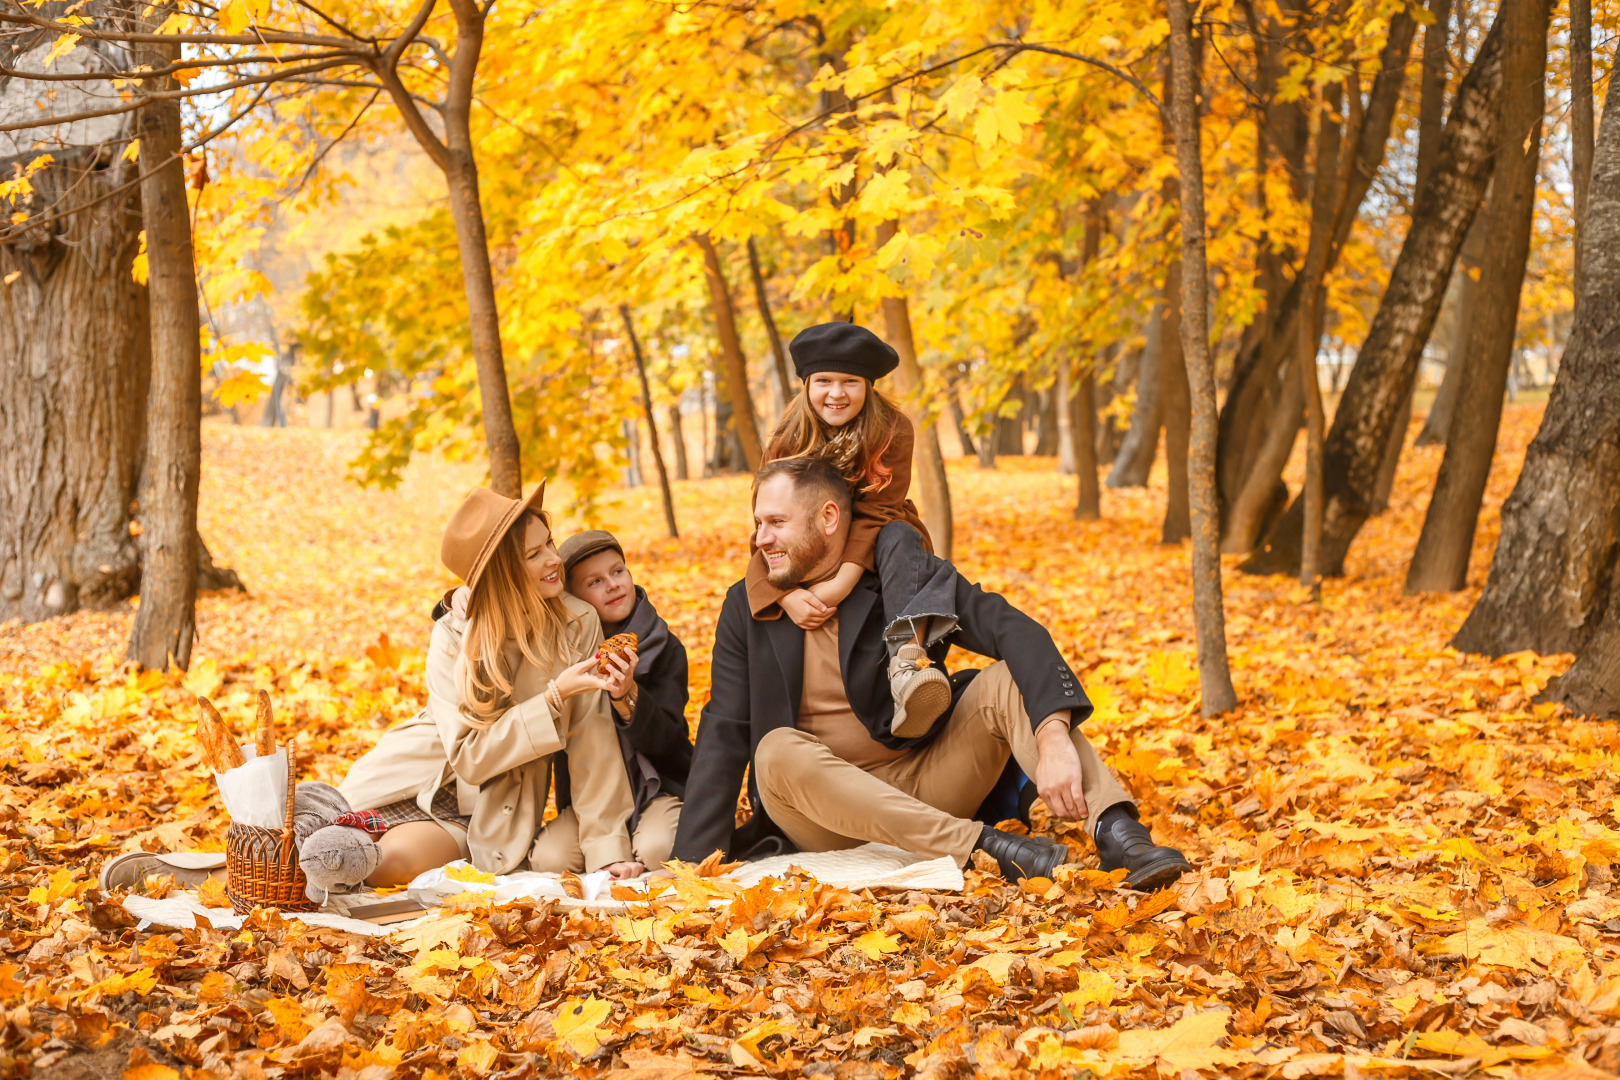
556,849
923,802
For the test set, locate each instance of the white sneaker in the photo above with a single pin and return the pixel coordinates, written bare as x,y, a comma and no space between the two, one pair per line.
921,694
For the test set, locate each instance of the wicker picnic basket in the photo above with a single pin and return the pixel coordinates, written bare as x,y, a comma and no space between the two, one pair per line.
261,865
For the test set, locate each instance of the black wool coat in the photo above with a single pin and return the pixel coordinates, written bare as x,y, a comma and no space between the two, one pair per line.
758,679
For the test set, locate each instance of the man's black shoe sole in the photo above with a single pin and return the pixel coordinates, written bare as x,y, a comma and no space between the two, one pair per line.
1157,874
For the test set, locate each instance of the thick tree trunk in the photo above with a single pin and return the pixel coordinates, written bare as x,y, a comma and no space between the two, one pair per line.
1552,575
731,354
1133,462
1173,391
1209,612
1046,423
75,358
1440,563
1388,359
652,425
165,623
779,356
677,435
1088,496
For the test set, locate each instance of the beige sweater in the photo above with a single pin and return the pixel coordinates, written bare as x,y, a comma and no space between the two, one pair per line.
503,772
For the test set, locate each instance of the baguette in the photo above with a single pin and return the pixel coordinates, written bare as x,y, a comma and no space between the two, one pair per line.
218,744
266,736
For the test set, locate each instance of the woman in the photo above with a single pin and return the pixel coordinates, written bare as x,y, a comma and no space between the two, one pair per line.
509,687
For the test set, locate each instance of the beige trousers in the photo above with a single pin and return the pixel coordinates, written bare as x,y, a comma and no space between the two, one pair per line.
923,802
556,850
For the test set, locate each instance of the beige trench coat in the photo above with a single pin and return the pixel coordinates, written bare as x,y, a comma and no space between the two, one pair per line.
503,772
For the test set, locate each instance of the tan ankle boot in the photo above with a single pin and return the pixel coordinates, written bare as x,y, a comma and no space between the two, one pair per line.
921,694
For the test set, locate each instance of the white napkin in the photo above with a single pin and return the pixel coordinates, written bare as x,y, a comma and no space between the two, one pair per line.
255,792
430,887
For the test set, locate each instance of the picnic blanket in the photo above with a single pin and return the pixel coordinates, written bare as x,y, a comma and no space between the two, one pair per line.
867,866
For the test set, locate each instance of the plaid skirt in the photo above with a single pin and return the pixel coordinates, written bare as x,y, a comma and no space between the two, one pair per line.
445,808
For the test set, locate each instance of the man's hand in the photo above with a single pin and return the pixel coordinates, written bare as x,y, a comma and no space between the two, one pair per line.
806,611
1057,773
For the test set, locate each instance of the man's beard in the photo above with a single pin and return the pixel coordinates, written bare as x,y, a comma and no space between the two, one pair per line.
801,559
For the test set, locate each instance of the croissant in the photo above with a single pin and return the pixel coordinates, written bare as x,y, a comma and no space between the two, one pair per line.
617,645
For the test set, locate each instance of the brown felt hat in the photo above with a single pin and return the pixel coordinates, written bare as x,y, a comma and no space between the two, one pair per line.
478,525
582,545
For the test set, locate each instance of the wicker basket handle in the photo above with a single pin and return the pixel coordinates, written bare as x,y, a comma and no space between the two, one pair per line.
287,829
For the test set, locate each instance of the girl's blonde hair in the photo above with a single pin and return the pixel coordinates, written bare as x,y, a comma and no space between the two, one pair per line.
856,449
505,606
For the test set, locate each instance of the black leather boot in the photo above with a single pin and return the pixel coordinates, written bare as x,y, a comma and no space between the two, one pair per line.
1124,841
1022,856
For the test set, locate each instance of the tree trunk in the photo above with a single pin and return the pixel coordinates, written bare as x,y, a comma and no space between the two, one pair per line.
1552,581
1121,367
1009,430
725,448
1264,495
652,425
484,324
1580,120
1388,359
1432,91
75,358
165,623
1088,496
1248,400
1438,422
1440,563
1063,392
677,435
1133,462
1173,391
1392,459
762,300
731,354
1209,615
1046,426
927,463
953,409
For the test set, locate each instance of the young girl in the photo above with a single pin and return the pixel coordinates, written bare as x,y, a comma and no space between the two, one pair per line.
842,416
509,686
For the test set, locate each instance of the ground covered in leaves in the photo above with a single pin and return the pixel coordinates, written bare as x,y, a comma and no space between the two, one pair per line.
1405,866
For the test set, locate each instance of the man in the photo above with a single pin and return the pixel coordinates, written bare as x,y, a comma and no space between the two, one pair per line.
810,711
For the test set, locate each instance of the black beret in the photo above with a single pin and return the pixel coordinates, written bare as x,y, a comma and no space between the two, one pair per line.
842,347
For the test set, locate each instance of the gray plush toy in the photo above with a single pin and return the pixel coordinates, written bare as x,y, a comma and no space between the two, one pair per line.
336,859
315,806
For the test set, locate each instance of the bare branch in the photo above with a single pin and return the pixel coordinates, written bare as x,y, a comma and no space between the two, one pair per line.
157,73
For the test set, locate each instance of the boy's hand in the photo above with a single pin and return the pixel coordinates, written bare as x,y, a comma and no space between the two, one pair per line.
621,674
806,609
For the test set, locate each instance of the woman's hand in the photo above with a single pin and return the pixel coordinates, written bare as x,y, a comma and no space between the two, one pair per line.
806,609
581,678
622,870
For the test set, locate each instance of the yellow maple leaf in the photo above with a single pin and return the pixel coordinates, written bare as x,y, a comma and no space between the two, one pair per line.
478,1055
150,1070
875,943
469,874
578,1024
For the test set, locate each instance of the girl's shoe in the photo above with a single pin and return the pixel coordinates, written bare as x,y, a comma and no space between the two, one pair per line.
921,694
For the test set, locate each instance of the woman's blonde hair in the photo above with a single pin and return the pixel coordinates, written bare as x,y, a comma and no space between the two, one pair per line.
505,606
856,449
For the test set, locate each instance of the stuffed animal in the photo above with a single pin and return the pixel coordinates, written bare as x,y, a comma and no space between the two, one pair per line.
336,859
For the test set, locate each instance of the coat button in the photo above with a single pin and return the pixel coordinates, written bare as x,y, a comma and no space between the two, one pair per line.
506,809
1068,693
